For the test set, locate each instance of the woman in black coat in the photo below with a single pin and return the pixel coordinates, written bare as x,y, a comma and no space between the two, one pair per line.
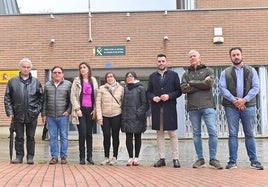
134,110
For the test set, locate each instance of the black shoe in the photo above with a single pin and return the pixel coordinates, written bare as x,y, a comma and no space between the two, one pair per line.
82,161
90,161
30,161
17,161
176,163
161,162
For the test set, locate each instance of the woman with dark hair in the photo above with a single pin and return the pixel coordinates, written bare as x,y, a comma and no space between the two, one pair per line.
108,108
134,110
83,93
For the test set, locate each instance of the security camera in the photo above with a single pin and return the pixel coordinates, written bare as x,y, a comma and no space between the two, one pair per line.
128,39
165,37
51,16
52,40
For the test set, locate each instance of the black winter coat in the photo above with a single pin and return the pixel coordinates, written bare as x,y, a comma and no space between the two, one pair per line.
23,99
170,85
134,109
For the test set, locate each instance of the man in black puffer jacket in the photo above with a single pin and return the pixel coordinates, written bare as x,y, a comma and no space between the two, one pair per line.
23,103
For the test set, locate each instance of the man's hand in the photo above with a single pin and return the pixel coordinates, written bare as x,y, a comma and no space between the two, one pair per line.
240,103
156,99
164,97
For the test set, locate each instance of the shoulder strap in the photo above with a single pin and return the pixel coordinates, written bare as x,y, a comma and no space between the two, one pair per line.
113,96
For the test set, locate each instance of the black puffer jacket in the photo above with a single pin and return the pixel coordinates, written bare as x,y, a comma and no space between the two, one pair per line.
134,109
23,98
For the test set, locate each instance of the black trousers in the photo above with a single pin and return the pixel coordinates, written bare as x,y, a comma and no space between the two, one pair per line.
129,144
85,129
30,139
111,126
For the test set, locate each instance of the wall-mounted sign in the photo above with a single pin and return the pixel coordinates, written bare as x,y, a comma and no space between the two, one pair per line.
6,75
110,50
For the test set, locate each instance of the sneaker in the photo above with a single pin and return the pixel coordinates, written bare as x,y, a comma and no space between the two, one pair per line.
53,161
63,160
256,165
105,161
214,163
161,162
136,162
130,162
113,161
231,165
200,163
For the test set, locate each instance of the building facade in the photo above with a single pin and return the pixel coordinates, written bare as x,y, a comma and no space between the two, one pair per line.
123,41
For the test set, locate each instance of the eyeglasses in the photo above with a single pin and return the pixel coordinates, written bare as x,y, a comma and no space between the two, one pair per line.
130,76
57,72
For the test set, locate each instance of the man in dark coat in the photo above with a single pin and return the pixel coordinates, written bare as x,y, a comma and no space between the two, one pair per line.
163,90
23,103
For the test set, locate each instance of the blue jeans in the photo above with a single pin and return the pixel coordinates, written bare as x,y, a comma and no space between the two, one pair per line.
247,117
58,126
210,119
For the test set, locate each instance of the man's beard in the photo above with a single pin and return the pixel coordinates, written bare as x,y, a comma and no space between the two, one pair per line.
161,68
237,63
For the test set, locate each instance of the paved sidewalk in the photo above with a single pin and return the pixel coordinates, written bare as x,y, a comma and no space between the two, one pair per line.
74,174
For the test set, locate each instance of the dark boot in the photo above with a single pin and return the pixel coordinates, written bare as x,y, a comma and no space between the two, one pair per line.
161,162
82,161
90,161
17,161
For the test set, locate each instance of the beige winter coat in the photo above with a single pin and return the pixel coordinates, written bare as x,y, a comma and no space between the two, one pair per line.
106,105
75,96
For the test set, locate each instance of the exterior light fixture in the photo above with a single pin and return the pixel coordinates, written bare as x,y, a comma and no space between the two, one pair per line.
218,38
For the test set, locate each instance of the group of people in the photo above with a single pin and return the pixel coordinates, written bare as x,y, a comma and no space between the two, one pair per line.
239,85
111,105
116,108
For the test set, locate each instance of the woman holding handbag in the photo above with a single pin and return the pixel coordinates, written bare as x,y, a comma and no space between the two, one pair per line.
108,110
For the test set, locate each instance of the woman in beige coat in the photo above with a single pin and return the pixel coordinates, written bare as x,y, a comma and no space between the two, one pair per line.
108,107
83,94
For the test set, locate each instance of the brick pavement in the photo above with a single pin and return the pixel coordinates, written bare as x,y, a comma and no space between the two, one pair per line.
75,175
